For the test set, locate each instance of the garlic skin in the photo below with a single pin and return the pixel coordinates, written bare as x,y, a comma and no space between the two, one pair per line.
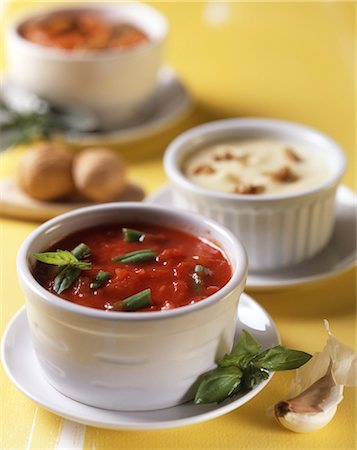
318,388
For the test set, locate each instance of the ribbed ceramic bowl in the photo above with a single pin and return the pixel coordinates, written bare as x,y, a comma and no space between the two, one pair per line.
112,84
122,360
276,230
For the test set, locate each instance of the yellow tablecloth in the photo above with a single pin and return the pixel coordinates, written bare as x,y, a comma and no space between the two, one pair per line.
290,60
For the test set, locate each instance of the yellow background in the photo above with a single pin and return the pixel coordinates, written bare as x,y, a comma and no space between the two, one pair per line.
290,60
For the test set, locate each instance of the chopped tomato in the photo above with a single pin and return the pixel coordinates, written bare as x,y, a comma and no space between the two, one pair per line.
81,30
171,274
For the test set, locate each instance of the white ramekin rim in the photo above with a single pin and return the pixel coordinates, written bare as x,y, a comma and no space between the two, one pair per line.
24,272
173,153
86,55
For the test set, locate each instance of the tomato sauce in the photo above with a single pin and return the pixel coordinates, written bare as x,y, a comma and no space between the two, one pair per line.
81,31
170,276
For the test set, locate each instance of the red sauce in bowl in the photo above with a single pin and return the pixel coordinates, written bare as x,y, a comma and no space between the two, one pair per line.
174,275
83,30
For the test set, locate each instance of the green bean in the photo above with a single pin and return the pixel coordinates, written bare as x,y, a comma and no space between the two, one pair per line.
81,251
198,276
65,277
136,257
100,278
202,269
131,235
137,301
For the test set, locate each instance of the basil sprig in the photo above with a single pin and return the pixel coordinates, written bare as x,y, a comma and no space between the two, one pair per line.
245,367
58,258
218,384
69,264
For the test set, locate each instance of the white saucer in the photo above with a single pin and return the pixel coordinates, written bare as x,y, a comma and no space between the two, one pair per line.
169,104
21,366
338,256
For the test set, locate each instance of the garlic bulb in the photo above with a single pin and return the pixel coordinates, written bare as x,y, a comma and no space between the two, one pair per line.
318,387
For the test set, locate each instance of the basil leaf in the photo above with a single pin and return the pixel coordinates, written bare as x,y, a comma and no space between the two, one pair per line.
82,265
218,384
243,352
65,278
58,258
280,358
253,376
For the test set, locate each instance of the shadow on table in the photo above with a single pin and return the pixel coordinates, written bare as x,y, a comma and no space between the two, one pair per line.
322,299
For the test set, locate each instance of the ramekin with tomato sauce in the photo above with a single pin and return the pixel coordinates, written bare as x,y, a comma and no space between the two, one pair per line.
84,55
94,350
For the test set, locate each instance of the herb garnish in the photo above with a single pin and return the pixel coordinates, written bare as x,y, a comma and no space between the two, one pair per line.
58,258
69,264
245,367
34,118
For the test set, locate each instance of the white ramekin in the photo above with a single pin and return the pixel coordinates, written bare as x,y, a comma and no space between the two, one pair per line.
113,84
129,361
276,230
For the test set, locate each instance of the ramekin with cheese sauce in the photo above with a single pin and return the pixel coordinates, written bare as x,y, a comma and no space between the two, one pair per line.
273,183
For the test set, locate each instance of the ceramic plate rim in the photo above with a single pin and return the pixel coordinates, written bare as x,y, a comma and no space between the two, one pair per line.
157,425
264,285
145,129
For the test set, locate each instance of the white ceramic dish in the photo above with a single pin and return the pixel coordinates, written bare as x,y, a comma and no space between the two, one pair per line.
122,360
22,367
170,103
276,230
339,255
112,84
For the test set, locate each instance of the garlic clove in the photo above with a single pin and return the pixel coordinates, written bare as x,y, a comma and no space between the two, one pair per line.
304,423
313,408
318,397
318,388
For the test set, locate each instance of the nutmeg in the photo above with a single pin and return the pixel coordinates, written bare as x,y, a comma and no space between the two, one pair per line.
99,174
44,172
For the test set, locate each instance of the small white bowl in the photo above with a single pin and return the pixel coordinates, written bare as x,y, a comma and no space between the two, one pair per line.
113,84
276,230
129,361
